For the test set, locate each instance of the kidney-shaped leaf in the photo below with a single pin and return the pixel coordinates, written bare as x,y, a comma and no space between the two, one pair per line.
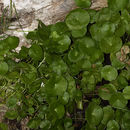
126,92
12,42
115,61
11,114
108,114
12,102
112,125
110,44
85,43
58,65
60,110
118,101
59,43
75,55
77,19
36,52
109,73
117,4
125,122
106,91
79,32
60,86
63,43
94,114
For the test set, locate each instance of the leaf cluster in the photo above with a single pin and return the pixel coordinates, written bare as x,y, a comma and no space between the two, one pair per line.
76,73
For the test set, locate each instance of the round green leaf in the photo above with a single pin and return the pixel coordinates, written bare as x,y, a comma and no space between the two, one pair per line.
110,44
57,28
32,35
96,56
11,114
3,47
59,43
45,124
3,68
79,33
12,42
65,98
121,82
126,92
36,52
63,43
120,30
83,3
95,32
23,52
106,91
60,86
77,19
85,43
75,55
67,122
112,125
33,123
115,61
71,89
12,102
93,15
60,110
109,73
85,64
117,5
105,14
31,110
118,115
117,100
58,66
93,114
100,31
108,114
125,122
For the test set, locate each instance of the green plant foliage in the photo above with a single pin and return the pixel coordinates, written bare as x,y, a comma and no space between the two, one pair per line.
83,3
111,44
12,42
109,73
116,62
75,55
94,114
3,68
3,126
117,5
77,21
112,125
76,73
126,92
11,114
106,91
35,52
118,101
125,121
108,114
